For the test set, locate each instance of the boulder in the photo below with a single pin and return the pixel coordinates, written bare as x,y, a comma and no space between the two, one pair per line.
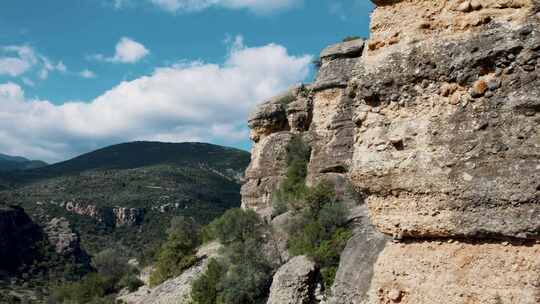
294,282
352,48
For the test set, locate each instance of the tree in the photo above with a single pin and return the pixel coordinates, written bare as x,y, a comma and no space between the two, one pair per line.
178,252
206,289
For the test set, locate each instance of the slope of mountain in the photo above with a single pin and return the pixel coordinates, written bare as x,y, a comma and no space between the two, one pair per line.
124,196
10,163
34,257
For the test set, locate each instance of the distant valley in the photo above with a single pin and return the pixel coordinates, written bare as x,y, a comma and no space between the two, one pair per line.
11,163
124,195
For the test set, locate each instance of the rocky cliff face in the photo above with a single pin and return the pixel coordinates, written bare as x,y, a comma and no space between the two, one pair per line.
435,122
114,217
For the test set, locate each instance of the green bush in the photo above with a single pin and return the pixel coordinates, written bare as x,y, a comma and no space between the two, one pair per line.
110,264
238,226
319,231
206,289
113,274
292,190
91,287
130,281
178,252
243,275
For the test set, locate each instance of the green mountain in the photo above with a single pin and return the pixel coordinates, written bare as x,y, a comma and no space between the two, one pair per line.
10,163
124,195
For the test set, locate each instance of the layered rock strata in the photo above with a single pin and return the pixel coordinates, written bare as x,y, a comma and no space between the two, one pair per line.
435,121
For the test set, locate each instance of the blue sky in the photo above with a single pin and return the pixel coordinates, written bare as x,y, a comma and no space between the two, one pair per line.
79,75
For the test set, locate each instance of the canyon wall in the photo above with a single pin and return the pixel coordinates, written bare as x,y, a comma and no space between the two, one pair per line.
430,130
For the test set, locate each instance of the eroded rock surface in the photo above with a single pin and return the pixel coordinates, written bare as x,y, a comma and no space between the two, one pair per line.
62,237
436,122
456,272
294,282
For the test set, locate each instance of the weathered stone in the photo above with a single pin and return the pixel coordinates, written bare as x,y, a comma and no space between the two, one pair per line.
266,170
479,88
294,282
60,235
127,216
269,117
465,7
456,273
345,49
299,114
404,124
111,216
432,199
355,272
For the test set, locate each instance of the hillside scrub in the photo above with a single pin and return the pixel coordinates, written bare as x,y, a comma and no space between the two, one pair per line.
113,273
242,275
178,252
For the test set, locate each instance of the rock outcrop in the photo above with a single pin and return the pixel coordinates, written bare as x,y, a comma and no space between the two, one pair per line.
435,121
64,240
113,217
294,282
176,290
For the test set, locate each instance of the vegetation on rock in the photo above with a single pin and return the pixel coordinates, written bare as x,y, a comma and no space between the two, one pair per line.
243,274
318,226
113,273
178,252
292,189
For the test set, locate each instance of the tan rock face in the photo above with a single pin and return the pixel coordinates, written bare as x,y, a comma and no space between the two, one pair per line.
434,165
437,125
395,23
293,282
457,273
266,170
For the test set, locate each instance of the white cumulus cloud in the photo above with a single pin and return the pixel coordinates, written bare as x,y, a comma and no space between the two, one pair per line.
257,6
16,60
183,102
127,51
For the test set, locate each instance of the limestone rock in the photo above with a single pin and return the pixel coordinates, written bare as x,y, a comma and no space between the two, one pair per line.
446,177
436,125
294,282
127,216
351,48
266,170
113,217
356,268
60,235
456,273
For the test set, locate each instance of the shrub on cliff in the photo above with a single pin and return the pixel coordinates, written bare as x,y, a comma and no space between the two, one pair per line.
206,289
319,230
178,252
243,275
292,190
